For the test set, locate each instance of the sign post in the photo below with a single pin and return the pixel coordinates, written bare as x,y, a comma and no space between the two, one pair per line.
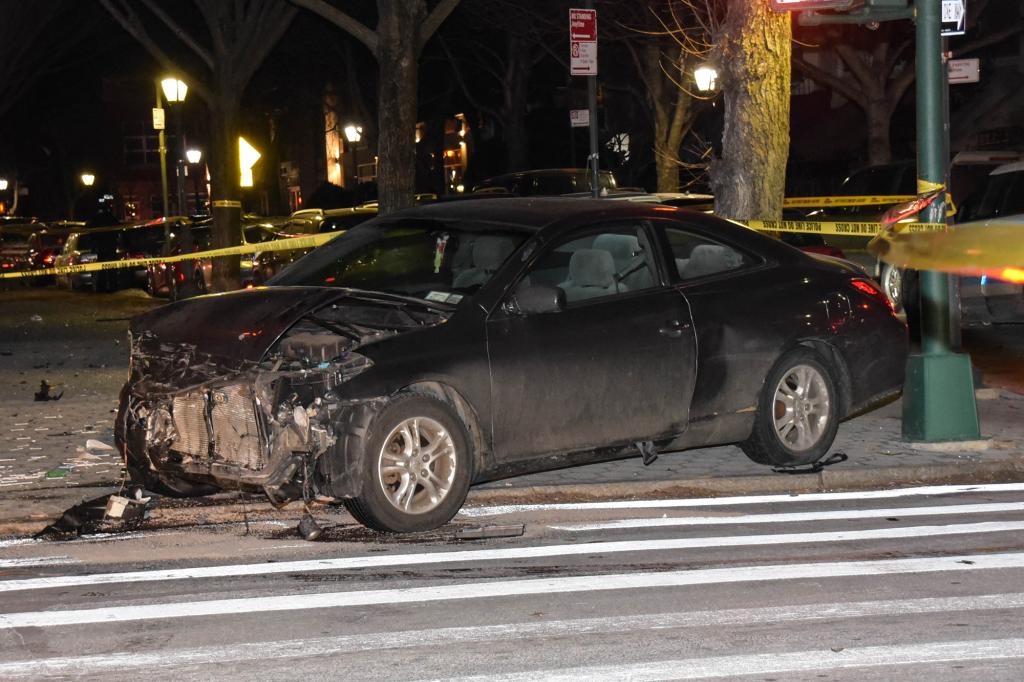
583,62
938,393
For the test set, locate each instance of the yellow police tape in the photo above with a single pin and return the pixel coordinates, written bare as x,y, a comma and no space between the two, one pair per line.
851,229
289,244
843,202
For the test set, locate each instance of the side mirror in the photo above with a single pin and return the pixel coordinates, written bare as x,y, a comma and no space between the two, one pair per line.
537,298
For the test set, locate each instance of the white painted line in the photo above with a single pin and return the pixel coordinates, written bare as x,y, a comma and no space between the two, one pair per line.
503,554
37,561
332,646
748,499
511,588
774,663
18,541
793,517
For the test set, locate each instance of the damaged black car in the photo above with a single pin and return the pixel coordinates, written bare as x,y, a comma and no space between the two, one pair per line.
452,344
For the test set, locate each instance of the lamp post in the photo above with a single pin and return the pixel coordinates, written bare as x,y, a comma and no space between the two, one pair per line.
175,92
353,134
194,156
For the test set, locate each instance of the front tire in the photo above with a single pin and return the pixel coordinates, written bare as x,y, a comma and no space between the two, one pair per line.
416,466
798,412
893,286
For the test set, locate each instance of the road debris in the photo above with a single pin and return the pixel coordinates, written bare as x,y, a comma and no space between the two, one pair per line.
43,394
513,530
106,513
93,444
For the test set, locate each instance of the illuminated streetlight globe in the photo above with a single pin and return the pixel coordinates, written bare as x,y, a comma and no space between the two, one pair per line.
194,156
174,89
3,184
88,179
353,133
706,77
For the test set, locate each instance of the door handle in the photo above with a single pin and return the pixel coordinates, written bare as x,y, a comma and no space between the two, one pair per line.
673,329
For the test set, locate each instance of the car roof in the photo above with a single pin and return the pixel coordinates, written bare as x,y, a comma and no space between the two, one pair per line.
527,212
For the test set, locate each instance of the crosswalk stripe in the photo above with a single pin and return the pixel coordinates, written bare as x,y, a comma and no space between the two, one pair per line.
930,490
774,663
792,517
509,588
37,561
325,646
508,553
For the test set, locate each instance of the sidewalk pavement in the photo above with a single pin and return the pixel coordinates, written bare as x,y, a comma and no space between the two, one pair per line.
52,457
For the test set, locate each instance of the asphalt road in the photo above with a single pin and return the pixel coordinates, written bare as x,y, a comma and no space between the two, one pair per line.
892,585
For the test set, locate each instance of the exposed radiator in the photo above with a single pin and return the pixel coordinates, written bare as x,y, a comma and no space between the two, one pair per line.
236,433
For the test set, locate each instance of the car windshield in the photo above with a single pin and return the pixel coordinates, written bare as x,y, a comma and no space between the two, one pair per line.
427,259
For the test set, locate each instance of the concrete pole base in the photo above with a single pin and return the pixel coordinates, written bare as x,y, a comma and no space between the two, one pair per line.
938,399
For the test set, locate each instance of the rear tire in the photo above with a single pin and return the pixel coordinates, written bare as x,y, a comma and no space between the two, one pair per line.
416,466
797,414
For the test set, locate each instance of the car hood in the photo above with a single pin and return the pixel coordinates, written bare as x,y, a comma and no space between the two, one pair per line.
241,325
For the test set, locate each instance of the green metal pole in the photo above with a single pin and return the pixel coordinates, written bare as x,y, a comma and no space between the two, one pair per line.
938,398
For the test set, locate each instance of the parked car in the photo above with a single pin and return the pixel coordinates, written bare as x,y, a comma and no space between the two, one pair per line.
43,248
453,344
546,182
987,300
110,244
266,264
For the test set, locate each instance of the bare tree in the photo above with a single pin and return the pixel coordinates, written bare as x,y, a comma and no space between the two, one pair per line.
403,27
217,61
505,57
752,50
671,43
879,69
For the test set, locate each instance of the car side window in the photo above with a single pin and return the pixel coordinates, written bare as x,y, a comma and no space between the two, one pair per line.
599,263
697,256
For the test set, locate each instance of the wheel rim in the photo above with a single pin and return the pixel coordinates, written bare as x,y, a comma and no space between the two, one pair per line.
802,408
416,465
894,286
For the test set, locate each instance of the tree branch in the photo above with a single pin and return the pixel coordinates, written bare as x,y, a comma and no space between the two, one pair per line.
343,21
131,23
992,39
827,79
434,21
179,33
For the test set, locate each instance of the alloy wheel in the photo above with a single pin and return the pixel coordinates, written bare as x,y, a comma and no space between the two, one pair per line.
416,465
802,408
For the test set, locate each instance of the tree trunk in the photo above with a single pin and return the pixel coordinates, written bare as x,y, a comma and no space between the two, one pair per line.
754,53
514,115
879,116
398,34
225,192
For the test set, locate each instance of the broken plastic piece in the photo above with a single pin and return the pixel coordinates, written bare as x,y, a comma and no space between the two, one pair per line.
43,394
56,473
92,444
814,468
309,529
116,506
647,451
514,530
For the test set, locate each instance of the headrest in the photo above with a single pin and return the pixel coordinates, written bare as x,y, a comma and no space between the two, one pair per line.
490,252
706,259
592,268
623,247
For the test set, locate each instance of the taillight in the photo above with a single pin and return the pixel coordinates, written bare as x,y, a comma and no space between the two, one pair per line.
868,287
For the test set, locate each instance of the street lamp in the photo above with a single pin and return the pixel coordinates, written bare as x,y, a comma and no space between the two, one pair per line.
353,134
175,92
706,77
174,89
88,179
194,156
3,184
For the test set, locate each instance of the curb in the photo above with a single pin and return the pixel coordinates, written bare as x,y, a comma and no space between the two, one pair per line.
964,473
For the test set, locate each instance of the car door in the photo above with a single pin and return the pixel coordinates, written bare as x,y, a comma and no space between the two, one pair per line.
614,365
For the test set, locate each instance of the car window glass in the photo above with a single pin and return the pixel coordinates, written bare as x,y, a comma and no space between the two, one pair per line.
597,264
697,256
1014,201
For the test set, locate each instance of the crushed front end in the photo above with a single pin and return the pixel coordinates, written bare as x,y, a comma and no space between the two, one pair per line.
192,421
